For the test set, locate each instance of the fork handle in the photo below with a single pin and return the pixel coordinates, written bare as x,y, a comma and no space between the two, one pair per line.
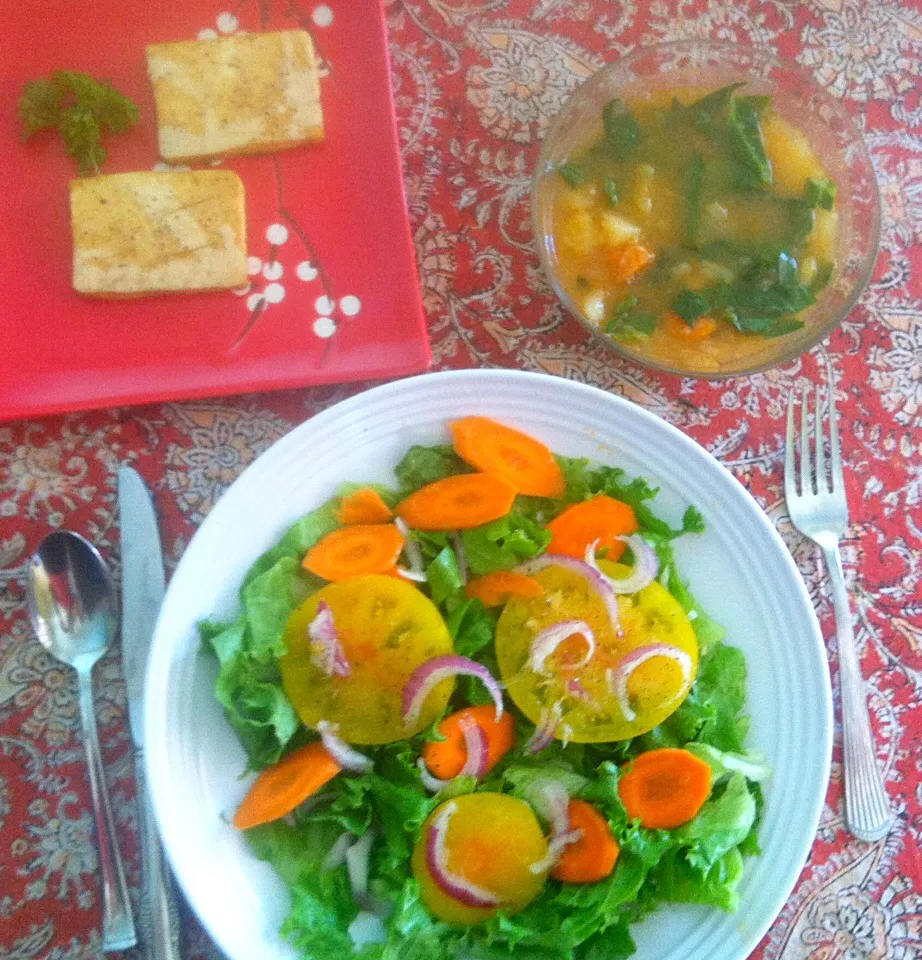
867,807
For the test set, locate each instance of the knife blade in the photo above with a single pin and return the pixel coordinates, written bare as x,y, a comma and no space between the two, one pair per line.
143,589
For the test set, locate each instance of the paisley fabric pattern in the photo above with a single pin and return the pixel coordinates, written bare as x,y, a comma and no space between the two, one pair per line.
475,83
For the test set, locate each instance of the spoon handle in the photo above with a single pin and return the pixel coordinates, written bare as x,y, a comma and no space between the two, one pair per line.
118,931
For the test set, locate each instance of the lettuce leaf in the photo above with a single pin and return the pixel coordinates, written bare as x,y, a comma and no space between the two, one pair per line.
422,465
299,538
504,544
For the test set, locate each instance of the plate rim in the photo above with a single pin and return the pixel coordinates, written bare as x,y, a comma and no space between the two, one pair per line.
159,661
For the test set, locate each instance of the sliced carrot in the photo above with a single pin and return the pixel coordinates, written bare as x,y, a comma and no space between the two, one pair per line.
284,785
664,788
602,518
457,503
593,856
701,329
628,260
445,758
499,450
363,506
494,589
355,551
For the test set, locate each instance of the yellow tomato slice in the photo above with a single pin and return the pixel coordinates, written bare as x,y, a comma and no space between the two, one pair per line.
590,711
387,628
492,841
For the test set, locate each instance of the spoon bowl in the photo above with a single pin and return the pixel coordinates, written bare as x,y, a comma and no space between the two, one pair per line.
72,599
72,607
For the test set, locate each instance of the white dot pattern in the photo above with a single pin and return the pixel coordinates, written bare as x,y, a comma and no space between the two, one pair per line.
306,271
350,305
324,305
322,15
254,300
227,22
207,34
274,293
254,265
272,271
277,234
324,327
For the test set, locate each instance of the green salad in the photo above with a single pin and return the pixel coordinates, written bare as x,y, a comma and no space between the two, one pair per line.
487,716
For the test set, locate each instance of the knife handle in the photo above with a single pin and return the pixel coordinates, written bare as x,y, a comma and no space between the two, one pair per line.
158,894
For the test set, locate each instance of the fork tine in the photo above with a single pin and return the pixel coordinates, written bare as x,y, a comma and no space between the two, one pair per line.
790,484
835,451
821,483
806,483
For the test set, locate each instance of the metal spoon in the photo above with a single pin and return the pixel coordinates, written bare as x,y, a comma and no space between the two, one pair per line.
72,606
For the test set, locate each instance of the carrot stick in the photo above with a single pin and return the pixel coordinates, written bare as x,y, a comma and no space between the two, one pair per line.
363,506
284,785
355,551
457,503
593,856
701,329
445,758
664,788
494,589
628,260
499,450
602,518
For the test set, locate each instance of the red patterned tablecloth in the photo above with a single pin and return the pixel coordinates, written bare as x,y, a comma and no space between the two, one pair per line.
475,83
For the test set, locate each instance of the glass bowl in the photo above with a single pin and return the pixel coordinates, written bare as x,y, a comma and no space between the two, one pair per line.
799,99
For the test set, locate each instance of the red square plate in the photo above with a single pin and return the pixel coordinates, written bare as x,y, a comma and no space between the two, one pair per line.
334,293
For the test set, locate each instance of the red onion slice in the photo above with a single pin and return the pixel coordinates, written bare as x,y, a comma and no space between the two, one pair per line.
327,652
576,689
458,546
411,548
341,752
549,639
470,894
618,676
555,848
475,764
599,583
544,732
358,858
427,675
337,854
644,571
550,799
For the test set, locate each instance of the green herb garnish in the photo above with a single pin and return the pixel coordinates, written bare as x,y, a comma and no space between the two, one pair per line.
611,190
573,173
622,131
626,323
81,108
690,305
820,193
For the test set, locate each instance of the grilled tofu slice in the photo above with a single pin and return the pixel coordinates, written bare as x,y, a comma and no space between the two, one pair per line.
137,234
254,93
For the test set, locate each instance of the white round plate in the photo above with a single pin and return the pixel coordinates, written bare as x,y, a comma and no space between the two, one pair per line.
739,569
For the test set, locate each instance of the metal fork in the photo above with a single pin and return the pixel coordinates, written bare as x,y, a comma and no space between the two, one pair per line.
818,508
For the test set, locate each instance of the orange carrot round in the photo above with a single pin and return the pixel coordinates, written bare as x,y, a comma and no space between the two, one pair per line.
284,785
445,758
494,589
701,329
664,788
363,506
355,551
457,503
499,450
602,518
628,260
593,856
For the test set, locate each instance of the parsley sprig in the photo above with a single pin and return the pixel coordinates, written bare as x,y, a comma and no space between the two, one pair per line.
80,108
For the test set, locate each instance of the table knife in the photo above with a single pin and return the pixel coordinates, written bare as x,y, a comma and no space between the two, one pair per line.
143,587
